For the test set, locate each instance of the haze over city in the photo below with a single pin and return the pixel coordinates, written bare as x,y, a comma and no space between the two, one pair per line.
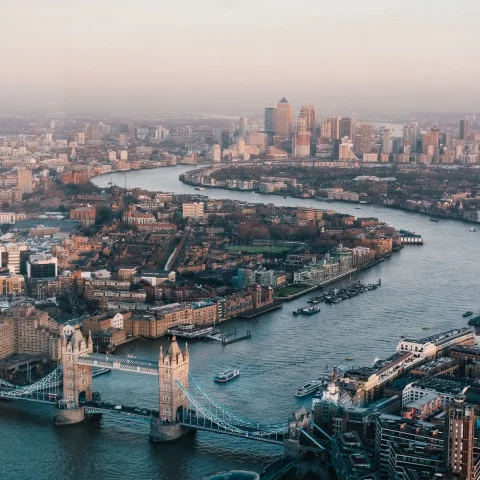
238,240
214,55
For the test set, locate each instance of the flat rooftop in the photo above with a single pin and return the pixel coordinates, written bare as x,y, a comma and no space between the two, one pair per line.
439,338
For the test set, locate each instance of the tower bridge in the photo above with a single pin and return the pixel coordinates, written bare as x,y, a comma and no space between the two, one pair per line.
183,404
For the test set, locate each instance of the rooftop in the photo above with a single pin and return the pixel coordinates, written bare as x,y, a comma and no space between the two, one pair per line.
410,426
439,338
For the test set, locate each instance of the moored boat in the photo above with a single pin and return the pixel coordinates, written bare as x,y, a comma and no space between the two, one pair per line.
307,389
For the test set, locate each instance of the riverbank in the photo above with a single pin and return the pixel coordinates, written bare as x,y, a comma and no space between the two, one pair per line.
317,199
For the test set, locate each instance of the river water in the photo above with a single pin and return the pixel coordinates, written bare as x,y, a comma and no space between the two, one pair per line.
421,286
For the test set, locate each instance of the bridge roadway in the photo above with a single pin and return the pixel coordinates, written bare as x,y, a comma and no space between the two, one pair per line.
106,407
135,365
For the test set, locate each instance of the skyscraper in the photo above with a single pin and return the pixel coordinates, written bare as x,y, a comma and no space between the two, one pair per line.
335,122
346,128
308,111
326,130
301,138
284,119
464,129
364,139
387,142
270,119
242,127
410,135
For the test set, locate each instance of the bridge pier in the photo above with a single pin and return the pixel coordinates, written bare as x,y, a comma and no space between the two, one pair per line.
69,416
165,432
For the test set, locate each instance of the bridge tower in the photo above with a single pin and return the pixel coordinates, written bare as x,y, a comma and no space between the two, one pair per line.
77,379
172,366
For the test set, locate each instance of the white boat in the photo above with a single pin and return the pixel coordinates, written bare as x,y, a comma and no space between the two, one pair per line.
227,375
473,230
199,188
307,389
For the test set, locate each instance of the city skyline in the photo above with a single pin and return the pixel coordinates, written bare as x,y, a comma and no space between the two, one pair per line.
215,56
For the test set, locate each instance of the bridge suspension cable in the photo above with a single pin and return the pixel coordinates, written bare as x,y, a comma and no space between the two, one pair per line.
235,418
209,414
46,390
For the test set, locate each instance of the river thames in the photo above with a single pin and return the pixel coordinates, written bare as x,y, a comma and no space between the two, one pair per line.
421,286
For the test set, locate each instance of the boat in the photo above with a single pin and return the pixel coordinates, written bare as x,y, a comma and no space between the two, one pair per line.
349,359
227,375
433,220
199,188
425,328
307,389
468,314
473,230
310,310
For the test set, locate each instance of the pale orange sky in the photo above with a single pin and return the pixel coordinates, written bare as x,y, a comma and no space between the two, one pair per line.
229,54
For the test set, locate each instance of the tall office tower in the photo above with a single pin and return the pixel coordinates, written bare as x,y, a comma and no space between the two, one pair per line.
284,119
387,142
230,127
25,181
410,134
308,111
270,119
461,420
364,139
346,128
225,143
301,138
335,122
464,129
435,132
242,127
430,140
122,140
326,130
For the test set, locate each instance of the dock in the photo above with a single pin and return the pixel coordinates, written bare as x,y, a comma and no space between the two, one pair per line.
410,238
230,337
191,331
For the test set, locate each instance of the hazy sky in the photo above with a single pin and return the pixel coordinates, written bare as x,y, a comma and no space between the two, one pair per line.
229,54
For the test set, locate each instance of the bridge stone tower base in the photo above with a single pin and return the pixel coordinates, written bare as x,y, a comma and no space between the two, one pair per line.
160,432
77,380
172,366
67,416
